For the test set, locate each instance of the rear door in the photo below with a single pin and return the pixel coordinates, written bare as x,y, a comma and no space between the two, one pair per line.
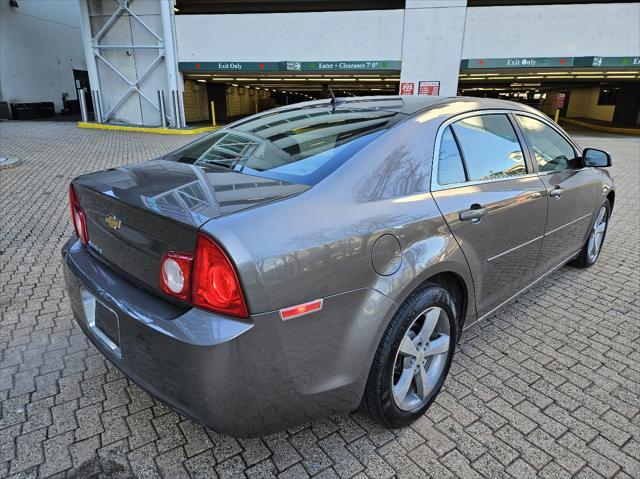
571,191
493,202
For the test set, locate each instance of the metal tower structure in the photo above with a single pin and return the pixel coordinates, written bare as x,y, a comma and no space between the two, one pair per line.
130,50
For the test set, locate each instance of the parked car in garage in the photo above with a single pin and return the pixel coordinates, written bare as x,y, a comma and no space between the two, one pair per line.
326,256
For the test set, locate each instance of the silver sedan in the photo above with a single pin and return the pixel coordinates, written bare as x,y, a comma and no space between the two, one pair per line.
326,256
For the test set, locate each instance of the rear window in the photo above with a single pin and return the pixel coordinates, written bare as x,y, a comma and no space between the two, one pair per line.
450,168
301,145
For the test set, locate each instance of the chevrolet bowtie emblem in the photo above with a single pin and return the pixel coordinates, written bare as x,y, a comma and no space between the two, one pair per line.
112,222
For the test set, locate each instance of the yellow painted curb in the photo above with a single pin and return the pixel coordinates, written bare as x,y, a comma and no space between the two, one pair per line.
144,129
608,129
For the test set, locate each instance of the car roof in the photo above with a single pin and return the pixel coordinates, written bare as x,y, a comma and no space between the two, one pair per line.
411,105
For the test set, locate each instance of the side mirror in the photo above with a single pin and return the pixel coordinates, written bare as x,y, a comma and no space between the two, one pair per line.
594,157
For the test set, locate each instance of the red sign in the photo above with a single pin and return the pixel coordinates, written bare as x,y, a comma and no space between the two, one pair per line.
560,98
431,88
406,88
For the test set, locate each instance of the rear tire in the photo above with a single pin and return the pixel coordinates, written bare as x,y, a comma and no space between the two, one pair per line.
413,358
590,252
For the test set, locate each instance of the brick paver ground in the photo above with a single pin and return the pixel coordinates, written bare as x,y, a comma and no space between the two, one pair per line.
549,386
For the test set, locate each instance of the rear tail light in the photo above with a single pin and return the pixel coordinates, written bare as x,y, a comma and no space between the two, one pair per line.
78,217
207,279
175,274
215,284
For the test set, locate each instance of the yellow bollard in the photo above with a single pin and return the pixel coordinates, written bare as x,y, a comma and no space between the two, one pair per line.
557,115
213,114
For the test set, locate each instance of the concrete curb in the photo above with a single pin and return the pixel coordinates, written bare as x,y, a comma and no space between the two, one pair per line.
144,129
608,129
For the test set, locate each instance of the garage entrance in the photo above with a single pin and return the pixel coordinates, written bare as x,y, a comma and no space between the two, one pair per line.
238,89
602,90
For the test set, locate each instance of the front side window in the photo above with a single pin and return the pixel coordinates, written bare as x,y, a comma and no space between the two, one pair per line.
551,150
490,147
450,168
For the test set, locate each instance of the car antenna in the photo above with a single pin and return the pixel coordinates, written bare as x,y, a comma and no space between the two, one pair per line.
333,96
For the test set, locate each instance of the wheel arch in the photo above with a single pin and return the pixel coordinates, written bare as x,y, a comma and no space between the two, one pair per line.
451,275
612,198
456,286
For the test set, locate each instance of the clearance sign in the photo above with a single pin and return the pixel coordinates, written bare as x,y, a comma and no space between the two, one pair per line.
291,66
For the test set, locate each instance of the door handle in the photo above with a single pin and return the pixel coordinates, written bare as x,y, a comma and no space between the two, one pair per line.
475,214
555,192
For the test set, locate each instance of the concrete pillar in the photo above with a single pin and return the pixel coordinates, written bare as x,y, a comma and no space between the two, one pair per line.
171,64
627,112
432,43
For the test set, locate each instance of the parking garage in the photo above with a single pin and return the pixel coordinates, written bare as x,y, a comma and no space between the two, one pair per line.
600,89
235,89
597,89
222,60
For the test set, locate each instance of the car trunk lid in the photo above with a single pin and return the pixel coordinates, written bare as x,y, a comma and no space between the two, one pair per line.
135,214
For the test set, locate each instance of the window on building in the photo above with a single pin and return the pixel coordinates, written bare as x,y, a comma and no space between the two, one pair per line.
607,96
450,168
551,150
490,147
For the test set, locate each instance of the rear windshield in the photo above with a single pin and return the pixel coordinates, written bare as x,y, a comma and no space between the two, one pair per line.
301,145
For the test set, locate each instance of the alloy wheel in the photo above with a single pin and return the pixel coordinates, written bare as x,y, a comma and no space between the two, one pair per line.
421,359
597,234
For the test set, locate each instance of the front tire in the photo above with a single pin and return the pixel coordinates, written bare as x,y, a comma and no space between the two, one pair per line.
413,358
592,247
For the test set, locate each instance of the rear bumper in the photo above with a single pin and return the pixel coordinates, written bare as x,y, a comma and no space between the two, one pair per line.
241,377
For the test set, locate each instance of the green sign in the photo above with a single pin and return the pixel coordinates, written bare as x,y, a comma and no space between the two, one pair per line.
228,66
291,66
615,62
519,62
550,62
339,66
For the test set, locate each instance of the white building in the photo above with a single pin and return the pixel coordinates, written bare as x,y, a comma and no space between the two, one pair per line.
41,53
250,56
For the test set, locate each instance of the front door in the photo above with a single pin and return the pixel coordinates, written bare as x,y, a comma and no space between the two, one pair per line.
494,204
571,192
